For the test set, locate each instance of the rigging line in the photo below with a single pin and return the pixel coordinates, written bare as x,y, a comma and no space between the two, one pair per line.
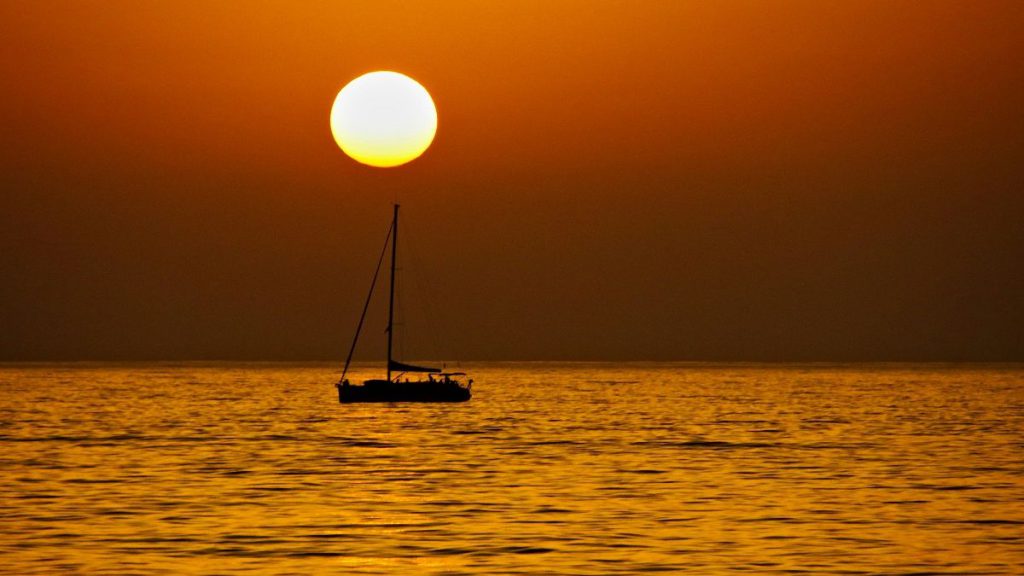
366,306
427,315
400,307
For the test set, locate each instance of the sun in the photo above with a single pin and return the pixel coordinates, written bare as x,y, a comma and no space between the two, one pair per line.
383,119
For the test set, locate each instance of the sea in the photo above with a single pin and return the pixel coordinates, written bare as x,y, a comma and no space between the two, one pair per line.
551,468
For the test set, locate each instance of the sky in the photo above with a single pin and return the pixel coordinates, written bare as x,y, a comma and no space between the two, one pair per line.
610,180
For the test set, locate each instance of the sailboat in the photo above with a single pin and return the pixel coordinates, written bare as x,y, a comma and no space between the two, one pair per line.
438,386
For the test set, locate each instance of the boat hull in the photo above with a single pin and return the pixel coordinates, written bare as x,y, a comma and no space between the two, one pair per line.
384,391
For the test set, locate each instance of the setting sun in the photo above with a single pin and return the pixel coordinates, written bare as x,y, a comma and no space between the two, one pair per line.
681,287
383,119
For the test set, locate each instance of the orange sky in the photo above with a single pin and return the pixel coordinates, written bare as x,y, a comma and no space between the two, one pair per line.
668,180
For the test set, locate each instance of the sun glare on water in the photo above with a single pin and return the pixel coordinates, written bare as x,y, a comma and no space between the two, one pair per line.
383,119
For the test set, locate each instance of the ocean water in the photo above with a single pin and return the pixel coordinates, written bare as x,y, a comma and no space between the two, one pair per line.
552,468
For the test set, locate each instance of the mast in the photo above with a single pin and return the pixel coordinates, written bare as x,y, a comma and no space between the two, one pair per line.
391,296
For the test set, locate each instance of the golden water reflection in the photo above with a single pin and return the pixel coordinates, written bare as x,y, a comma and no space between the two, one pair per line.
551,468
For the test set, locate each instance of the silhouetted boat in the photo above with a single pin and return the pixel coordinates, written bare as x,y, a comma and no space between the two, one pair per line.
438,386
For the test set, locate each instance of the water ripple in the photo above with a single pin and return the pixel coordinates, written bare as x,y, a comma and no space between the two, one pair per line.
551,469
